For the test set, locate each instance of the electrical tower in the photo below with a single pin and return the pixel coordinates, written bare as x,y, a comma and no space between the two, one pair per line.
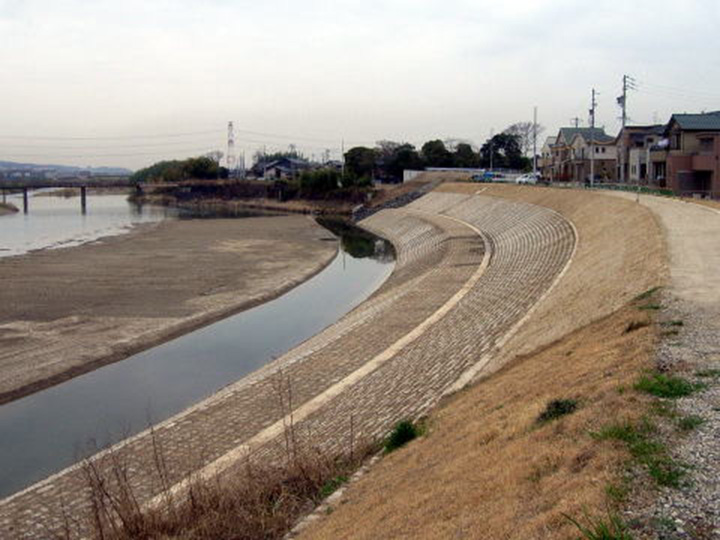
231,150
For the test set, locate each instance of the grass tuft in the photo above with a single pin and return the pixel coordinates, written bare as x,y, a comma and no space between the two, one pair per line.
690,422
610,528
403,433
332,485
557,408
647,451
708,373
666,386
647,294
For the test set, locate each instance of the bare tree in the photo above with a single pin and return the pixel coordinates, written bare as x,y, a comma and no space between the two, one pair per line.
524,130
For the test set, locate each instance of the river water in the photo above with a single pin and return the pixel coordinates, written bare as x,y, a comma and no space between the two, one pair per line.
49,430
56,222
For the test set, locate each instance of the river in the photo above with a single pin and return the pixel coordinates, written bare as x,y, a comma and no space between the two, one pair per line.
47,431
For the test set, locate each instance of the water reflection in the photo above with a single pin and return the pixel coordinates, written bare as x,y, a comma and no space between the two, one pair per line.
358,242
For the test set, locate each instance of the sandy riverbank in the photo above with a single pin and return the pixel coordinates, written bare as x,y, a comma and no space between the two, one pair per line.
66,312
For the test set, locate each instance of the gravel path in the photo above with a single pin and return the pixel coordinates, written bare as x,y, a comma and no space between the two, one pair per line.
693,237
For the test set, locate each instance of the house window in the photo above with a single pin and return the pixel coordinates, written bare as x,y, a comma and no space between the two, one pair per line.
675,141
706,144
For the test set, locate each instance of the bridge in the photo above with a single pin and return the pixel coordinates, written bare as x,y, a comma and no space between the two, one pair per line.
82,184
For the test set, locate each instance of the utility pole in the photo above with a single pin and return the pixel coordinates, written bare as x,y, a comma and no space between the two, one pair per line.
535,140
592,139
342,150
492,131
628,84
576,121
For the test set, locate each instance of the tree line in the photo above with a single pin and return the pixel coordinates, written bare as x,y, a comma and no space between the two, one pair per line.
388,159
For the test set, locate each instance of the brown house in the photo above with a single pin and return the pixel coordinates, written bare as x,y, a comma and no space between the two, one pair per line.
570,155
688,161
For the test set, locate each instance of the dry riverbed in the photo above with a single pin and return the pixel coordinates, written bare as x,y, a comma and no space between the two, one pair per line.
65,312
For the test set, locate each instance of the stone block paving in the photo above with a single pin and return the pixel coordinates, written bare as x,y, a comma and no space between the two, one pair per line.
437,253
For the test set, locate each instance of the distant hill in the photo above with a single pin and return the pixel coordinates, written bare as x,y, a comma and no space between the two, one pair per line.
62,170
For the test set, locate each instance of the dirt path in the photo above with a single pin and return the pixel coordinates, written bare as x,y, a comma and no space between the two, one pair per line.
693,301
64,312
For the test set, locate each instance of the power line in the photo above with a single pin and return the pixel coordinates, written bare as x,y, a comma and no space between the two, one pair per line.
110,138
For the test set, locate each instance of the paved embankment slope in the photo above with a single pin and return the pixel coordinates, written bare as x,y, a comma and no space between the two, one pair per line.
468,269
67,311
487,470
620,253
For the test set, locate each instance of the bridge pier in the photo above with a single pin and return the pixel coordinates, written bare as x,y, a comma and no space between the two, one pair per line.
25,200
83,199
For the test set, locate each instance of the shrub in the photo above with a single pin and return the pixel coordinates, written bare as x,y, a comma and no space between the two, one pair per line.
557,408
403,433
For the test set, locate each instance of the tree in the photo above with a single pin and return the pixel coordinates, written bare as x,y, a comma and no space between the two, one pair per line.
505,151
394,158
360,161
464,156
436,155
262,157
526,133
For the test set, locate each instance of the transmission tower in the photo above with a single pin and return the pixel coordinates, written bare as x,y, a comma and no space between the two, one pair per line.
231,149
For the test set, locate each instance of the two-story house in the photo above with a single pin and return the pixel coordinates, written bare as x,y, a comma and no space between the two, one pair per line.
633,148
692,154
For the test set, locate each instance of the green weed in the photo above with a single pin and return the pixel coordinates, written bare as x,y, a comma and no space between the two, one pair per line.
332,485
611,528
647,294
645,450
666,386
690,422
557,408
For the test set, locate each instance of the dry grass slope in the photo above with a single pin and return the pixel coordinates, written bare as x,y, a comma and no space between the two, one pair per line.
488,470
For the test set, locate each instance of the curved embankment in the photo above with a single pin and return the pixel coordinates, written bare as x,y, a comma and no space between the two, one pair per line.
620,254
469,268
487,469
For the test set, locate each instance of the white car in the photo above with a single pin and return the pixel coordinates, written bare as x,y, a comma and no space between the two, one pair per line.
530,178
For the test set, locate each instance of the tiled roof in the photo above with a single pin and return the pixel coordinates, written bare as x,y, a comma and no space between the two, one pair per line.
598,134
698,122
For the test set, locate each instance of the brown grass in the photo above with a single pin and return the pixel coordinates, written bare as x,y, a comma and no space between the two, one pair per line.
488,470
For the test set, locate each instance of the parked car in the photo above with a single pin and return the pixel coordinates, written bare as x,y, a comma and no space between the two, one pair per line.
530,178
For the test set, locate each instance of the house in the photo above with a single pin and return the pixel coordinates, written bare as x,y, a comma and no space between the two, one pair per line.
571,155
280,168
546,158
633,146
687,160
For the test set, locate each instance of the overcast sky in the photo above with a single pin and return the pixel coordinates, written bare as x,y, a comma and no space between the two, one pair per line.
144,80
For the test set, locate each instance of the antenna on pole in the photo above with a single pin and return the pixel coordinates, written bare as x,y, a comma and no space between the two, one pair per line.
576,122
230,159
